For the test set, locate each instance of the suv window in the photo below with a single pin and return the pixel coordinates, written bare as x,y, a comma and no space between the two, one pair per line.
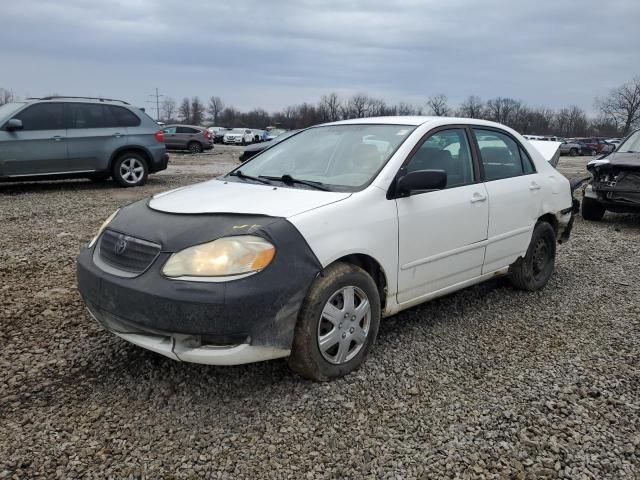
85,115
42,116
170,130
501,156
446,150
121,117
187,130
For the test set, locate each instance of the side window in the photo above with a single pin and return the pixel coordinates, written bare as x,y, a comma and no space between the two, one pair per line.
42,116
170,130
185,130
85,115
527,163
446,150
122,117
500,155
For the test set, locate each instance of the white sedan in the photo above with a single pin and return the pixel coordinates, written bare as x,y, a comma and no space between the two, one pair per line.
300,251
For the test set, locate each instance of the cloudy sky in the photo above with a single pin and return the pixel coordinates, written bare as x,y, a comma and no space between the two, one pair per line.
275,53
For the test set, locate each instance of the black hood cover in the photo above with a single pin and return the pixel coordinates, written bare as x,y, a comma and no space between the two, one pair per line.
621,160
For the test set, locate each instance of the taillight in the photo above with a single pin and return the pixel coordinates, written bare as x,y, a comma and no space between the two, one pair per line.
160,136
207,134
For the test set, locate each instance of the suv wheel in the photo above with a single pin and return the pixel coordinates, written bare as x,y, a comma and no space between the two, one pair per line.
195,147
534,270
573,152
130,170
592,209
337,324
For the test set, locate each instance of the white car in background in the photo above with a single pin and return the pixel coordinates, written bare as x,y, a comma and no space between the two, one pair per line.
300,251
238,136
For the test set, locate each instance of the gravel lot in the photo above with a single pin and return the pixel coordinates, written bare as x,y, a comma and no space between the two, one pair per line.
486,383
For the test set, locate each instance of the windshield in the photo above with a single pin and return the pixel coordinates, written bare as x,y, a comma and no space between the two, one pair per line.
631,144
9,109
338,157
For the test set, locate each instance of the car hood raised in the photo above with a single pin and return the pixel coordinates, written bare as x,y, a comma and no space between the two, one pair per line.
219,196
617,159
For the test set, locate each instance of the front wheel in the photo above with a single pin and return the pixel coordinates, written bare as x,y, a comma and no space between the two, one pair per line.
534,270
337,324
130,170
592,209
573,152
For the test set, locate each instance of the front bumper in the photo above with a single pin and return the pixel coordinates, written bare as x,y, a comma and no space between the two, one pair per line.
223,323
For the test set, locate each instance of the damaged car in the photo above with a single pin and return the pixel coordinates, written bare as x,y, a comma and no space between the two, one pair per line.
300,251
615,182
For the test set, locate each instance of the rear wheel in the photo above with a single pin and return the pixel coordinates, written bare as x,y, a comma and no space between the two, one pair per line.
130,170
337,324
533,271
592,209
573,152
195,147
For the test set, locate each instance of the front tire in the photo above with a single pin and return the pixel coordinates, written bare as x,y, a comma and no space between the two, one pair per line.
592,209
337,324
534,270
130,170
573,152
195,147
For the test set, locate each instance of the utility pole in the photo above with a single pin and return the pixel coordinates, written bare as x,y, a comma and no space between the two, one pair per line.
157,102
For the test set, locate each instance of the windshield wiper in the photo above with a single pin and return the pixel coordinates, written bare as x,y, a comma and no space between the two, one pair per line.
239,174
289,180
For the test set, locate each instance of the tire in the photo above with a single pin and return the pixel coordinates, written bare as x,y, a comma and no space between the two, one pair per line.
573,152
348,332
194,147
130,170
592,209
532,272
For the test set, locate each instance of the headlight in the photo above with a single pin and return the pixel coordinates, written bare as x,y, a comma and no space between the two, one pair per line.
102,227
226,256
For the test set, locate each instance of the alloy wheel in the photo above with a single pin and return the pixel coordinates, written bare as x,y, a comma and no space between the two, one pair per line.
131,170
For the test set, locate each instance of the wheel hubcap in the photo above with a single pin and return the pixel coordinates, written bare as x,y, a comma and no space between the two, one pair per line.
131,170
344,325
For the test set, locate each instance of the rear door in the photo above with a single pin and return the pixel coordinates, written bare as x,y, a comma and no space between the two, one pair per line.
186,135
93,136
442,233
40,147
515,196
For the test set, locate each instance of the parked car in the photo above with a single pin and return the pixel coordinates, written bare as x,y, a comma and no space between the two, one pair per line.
259,135
274,132
615,183
217,133
569,147
256,148
71,137
238,136
596,145
188,137
300,251
614,141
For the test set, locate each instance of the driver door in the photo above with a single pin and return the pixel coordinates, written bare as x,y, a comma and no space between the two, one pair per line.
442,233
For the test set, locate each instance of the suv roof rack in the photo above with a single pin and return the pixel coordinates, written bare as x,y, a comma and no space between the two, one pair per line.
54,97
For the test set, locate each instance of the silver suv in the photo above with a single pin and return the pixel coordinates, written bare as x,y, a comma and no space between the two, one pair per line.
70,137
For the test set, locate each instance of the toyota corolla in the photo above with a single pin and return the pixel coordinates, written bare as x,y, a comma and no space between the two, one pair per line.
300,251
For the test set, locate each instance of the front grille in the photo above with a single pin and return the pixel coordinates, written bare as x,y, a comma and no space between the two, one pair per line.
123,252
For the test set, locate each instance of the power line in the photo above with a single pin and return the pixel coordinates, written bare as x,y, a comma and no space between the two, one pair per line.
156,101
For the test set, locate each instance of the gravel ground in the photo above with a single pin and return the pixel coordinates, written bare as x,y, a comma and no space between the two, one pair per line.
486,383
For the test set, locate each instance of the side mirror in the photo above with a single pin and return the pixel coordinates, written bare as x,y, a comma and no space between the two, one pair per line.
13,124
421,180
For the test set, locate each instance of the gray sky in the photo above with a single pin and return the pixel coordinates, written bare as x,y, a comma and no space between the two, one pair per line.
277,53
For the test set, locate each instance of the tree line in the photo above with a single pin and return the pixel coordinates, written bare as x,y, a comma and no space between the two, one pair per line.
617,113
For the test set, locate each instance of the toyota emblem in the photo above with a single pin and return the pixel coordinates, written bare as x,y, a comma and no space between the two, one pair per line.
121,245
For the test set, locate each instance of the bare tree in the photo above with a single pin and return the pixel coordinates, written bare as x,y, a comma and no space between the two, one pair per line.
185,111
197,111
330,106
215,107
438,105
6,96
622,105
403,109
356,106
472,107
571,122
168,109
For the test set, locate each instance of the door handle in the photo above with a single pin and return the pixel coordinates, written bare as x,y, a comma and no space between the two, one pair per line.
57,138
477,197
117,135
534,186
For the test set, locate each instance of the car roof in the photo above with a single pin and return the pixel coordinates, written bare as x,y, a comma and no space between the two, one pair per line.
416,121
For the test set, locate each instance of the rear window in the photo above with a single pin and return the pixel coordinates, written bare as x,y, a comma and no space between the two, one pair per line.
121,117
95,115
